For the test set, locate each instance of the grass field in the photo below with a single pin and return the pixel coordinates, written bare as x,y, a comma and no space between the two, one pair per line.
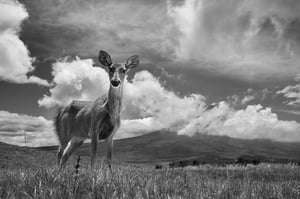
31,173
129,181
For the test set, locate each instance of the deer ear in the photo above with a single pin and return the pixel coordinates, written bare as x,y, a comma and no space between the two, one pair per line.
104,58
132,62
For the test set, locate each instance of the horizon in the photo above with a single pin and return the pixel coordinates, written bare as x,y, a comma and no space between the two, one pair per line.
206,67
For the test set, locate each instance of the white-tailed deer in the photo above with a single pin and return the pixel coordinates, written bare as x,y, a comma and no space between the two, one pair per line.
97,119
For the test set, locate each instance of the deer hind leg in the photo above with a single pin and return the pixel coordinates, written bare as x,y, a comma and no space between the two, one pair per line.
62,147
94,143
63,136
73,144
60,152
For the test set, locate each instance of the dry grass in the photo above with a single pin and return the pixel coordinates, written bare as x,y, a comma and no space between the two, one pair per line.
263,181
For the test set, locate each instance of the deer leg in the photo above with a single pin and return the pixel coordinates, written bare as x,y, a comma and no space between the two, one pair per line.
109,147
73,144
94,143
59,154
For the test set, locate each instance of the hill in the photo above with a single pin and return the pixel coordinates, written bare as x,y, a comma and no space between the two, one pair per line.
164,146
12,156
158,147
263,181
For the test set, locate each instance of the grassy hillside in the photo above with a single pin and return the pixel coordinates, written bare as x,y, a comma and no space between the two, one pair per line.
30,172
12,156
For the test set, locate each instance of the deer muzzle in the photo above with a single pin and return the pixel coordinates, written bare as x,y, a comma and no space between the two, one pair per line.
115,83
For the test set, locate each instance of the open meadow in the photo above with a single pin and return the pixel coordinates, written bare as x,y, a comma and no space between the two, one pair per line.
129,181
32,172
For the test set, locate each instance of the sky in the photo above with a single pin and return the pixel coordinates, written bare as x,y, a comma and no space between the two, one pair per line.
215,67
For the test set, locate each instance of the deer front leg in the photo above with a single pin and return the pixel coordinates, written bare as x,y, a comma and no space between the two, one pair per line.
59,154
94,143
73,144
109,147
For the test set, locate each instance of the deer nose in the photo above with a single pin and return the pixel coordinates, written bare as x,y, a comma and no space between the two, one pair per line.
115,83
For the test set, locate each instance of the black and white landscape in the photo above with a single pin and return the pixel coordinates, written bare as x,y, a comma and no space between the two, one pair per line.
214,104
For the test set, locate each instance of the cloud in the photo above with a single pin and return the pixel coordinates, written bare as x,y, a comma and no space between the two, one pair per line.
250,123
247,99
126,32
292,92
14,126
258,122
122,28
293,112
76,79
15,61
250,40
148,106
136,127
246,39
146,97
250,96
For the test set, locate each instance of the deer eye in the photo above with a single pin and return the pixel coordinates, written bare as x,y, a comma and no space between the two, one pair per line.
122,70
111,69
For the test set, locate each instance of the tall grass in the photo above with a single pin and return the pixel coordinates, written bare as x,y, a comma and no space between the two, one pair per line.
263,181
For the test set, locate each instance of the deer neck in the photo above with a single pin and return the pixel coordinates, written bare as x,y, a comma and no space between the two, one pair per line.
114,101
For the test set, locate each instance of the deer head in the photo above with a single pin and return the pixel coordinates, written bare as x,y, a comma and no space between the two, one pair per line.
117,71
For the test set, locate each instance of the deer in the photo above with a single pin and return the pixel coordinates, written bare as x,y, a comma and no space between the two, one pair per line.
95,120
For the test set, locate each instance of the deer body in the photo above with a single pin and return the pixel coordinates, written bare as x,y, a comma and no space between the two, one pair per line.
97,119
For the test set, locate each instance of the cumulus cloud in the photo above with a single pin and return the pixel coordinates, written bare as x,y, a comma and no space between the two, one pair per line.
136,127
250,123
76,79
146,97
258,122
292,92
15,61
148,106
244,38
15,127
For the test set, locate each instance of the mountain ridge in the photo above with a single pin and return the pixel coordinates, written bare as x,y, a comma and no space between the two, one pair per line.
162,147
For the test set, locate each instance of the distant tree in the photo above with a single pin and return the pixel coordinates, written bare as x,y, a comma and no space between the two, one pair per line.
195,163
244,160
184,163
295,162
181,163
158,166
256,162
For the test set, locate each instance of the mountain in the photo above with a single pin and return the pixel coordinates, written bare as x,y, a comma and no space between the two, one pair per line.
165,146
159,147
